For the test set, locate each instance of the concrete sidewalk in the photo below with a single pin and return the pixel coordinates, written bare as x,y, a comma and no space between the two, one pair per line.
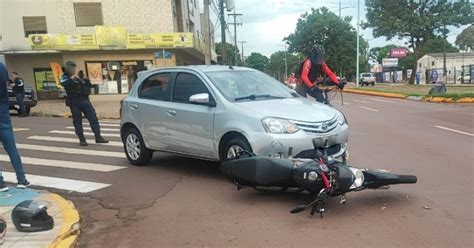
106,106
66,220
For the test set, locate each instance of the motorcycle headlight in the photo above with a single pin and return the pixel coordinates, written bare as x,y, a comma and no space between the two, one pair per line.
341,119
359,178
279,126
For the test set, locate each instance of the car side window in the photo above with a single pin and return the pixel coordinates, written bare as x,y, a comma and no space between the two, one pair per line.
187,85
155,87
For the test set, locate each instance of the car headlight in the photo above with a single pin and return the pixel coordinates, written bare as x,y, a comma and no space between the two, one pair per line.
279,126
341,119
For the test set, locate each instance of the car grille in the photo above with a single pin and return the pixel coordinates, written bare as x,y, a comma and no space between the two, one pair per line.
318,127
312,153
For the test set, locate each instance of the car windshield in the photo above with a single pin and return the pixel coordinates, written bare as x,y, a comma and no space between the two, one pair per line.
248,85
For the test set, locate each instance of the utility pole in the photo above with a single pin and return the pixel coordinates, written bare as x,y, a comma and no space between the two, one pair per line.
339,8
207,34
358,32
223,27
235,33
242,44
445,74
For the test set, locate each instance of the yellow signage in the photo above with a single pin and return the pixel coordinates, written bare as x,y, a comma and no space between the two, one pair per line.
62,41
165,40
111,37
57,73
107,37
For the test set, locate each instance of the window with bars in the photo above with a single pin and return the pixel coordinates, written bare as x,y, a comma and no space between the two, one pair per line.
34,25
88,14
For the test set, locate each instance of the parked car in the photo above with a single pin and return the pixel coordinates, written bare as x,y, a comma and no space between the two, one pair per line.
215,112
30,100
367,79
467,78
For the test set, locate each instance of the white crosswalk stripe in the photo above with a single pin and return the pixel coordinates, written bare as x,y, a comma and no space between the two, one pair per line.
66,164
56,149
54,155
102,129
85,133
70,140
58,183
104,124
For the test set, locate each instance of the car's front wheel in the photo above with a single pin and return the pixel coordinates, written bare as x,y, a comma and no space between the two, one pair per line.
135,149
235,146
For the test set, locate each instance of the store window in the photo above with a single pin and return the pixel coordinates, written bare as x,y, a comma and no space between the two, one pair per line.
115,77
34,25
45,85
88,14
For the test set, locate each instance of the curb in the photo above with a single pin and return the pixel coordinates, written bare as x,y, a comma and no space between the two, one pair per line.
68,115
67,236
435,99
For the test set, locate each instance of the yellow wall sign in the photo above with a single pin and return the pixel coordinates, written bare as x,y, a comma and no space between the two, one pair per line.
62,41
111,37
165,40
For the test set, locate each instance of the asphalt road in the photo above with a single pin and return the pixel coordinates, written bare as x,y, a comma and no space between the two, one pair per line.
180,202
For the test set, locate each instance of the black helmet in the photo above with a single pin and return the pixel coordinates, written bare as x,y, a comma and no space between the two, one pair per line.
31,216
317,54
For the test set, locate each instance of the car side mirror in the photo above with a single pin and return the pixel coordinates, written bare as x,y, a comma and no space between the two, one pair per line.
201,99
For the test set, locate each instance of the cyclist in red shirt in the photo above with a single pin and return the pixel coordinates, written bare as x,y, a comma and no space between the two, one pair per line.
313,69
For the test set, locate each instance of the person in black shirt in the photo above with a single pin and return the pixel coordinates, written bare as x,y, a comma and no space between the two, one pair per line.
19,90
78,88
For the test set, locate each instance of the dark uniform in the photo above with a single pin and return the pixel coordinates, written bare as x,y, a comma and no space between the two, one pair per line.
19,91
78,91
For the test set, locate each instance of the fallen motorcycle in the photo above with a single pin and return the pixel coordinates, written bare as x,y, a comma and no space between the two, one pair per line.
321,178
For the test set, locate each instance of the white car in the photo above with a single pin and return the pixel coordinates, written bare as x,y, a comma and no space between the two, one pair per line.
467,78
366,79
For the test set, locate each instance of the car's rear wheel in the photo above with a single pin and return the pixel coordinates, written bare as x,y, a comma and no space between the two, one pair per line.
135,149
234,146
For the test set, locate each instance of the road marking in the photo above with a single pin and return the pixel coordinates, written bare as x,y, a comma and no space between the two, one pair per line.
85,133
19,129
66,164
371,109
58,183
110,121
361,101
102,129
70,140
345,103
454,130
383,100
104,124
71,151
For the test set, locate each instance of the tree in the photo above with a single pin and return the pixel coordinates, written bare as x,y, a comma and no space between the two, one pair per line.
230,53
436,45
465,40
416,21
257,61
276,65
335,34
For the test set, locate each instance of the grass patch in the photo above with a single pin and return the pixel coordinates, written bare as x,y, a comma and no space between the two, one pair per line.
455,92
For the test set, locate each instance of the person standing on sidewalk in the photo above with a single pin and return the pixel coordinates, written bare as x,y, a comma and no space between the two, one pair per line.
6,134
19,91
78,90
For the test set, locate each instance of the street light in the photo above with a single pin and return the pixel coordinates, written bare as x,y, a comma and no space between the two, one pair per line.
358,34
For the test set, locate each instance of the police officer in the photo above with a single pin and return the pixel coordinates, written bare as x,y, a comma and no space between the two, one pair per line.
19,91
78,91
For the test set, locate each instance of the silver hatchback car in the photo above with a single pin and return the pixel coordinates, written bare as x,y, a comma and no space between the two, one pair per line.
215,112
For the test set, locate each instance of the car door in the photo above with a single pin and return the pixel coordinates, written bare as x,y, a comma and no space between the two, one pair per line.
191,126
150,109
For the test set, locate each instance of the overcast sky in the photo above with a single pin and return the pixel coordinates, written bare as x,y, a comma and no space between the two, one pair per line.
267,22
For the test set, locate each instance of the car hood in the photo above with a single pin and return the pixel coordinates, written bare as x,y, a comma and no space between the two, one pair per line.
298,109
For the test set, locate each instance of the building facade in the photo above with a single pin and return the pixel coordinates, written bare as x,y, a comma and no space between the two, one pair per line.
110,40
459,68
